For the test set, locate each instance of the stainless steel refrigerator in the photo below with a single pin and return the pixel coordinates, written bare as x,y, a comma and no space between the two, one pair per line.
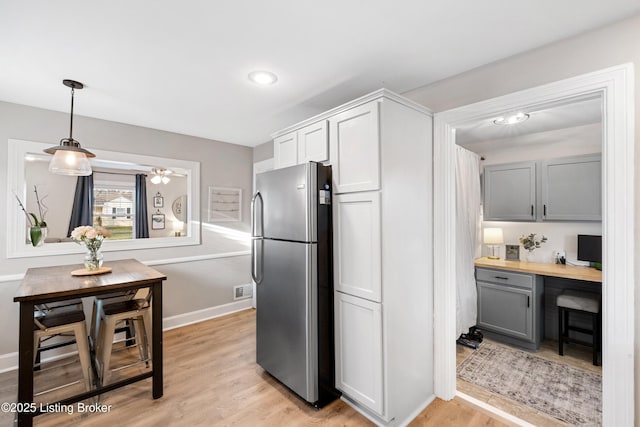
291,266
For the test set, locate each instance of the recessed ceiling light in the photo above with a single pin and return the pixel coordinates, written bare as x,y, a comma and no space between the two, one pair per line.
511,120
264,78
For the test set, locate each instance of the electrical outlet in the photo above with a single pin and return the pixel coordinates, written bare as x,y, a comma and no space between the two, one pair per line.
242,292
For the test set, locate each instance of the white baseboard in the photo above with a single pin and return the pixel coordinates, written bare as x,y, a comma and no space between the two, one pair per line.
380,421
418,411
9,361
190,318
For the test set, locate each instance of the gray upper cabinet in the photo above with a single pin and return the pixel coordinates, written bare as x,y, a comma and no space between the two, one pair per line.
572,189
561,189
510,192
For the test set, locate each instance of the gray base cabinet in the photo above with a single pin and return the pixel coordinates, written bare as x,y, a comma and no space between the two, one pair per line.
510,305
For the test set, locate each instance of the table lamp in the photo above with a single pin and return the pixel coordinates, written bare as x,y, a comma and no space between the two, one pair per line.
493,238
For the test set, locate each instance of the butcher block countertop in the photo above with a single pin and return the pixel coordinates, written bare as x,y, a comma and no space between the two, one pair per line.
545,269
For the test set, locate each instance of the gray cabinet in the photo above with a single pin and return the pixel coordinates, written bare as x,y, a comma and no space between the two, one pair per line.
510,306
561,189
572,189
510,192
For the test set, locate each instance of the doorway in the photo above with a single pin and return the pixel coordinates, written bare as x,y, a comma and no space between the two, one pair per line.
615,87
499,371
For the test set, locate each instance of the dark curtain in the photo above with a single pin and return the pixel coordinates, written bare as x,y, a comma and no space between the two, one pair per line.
82,211
142,220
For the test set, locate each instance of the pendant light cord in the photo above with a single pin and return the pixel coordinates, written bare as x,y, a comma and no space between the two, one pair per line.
71,121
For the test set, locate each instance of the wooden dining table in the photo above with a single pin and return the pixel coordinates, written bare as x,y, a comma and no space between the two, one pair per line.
47,284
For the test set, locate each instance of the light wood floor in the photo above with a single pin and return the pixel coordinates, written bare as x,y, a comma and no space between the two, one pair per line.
575,355
211,379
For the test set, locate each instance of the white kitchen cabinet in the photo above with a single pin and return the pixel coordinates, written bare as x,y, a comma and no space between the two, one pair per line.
354,137
313,143
356,249
307,144
380,152
510,192
285,150
572,189
359,350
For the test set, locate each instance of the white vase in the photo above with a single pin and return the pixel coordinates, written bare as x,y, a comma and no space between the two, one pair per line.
530,256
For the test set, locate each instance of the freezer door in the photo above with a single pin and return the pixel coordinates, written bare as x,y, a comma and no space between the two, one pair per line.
286,318
288,203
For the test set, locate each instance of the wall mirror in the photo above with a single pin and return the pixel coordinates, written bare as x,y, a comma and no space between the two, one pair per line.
114,204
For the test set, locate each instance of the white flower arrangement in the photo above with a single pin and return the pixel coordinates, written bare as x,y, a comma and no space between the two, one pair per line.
92,237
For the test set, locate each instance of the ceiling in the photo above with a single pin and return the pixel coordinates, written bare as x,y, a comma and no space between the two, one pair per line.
182,66
484,135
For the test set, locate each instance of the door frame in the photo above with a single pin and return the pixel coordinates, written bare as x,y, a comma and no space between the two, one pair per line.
616,87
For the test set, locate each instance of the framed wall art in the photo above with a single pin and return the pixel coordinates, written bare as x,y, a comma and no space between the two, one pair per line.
512,253
157,221
158,200
225,204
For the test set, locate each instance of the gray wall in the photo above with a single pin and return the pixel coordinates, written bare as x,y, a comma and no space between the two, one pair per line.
263,152
609,46
192,285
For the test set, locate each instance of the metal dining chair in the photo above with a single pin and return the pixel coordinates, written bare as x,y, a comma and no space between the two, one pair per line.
110,315
65,318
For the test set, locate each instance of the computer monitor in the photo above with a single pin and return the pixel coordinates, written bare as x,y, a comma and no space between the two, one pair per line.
590,249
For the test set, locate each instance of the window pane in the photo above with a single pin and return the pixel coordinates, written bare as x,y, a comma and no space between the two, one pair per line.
113,209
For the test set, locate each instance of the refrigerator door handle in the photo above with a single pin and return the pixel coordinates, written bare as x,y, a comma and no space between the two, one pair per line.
256,260
253,215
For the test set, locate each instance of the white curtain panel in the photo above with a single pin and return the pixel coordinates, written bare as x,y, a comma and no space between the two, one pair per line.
468,241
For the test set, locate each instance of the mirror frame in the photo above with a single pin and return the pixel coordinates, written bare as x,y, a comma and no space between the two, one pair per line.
16,225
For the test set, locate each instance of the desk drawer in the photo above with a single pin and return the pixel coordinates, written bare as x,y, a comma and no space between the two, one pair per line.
522,280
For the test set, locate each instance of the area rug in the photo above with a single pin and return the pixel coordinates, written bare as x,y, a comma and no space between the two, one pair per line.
564,392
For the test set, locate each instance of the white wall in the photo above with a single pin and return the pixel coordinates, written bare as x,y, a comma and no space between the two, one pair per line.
190,286
611,45
56,192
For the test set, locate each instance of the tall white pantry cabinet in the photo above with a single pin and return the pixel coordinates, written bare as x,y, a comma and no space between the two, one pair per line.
380,150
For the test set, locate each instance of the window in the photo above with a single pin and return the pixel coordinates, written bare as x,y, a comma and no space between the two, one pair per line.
114,209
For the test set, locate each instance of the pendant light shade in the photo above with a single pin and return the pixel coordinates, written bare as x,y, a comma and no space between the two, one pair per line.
68,162
68,157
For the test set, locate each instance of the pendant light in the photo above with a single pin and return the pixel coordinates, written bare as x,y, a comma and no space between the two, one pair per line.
68,157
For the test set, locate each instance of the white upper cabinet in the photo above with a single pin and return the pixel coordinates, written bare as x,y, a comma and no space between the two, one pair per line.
285,150
354,137
308,144
572,189
356,249
313,143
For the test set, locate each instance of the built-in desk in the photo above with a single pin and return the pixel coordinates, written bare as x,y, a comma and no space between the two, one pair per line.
587,274
516,299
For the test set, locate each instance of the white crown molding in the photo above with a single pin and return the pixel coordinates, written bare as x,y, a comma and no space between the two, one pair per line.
378,94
